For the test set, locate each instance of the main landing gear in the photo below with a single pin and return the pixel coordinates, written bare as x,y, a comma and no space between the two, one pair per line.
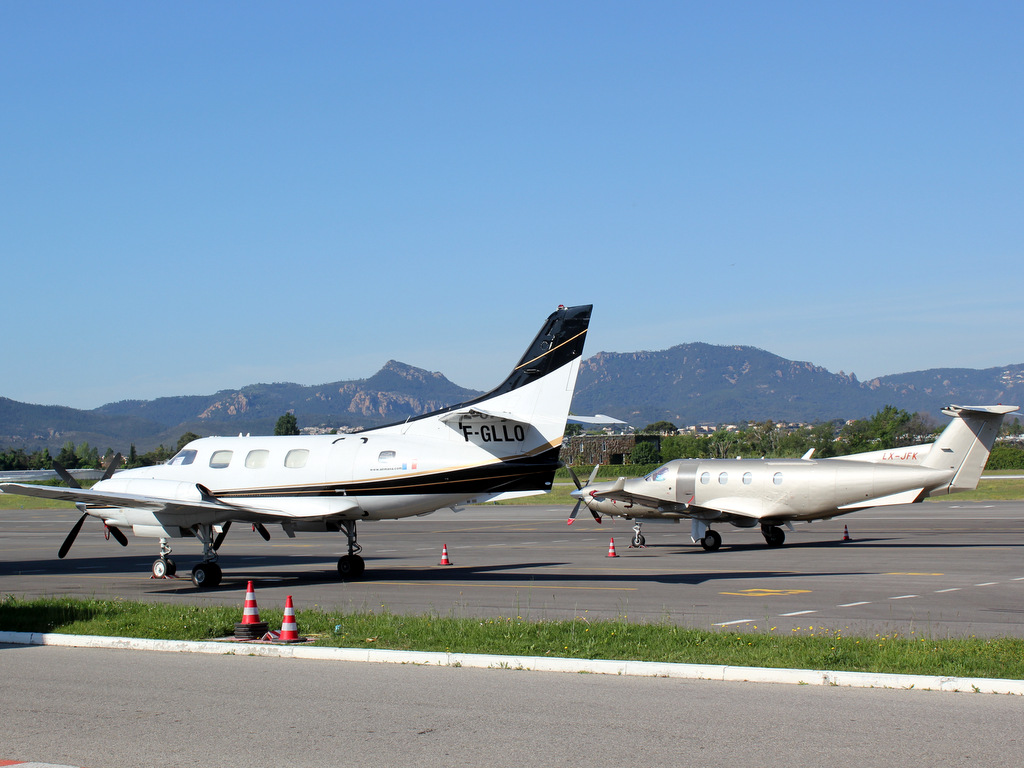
351,566
712,540
773,535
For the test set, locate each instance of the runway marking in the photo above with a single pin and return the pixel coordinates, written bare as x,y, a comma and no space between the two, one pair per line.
987,584
738,621
903,597
1019,578
853,605
797,613
899,573
767,592
951,589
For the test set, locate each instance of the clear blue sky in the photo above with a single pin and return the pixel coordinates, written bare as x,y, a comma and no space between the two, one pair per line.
197,196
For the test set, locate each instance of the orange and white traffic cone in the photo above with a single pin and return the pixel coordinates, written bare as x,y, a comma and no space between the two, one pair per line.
250,627
846,534
611,548
444,556
251,614
289,629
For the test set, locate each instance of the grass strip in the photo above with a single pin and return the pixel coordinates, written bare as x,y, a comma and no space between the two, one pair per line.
811,648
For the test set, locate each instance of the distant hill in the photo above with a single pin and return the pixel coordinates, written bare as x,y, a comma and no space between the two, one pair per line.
687,384
708,384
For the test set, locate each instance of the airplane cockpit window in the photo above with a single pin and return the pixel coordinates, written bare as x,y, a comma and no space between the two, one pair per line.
386,456
658,475
183,457
256,459
296,458
220,459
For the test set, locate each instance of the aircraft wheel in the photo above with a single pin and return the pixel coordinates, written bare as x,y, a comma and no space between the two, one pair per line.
639,541
712,540
351,566
206,575
161,568
774,536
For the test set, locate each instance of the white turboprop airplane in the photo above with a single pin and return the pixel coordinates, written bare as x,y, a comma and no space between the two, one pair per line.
501,445
772,492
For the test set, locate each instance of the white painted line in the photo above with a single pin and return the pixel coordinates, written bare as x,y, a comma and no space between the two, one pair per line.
852,605
797,613
902,597
987,584
951,589
738,621
1019,578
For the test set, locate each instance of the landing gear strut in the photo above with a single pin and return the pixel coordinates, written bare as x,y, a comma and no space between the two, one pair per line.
207,574
639,542
351,566
164,567
773,535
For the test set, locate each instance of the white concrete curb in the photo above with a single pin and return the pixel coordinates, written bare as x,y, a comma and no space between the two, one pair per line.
538,663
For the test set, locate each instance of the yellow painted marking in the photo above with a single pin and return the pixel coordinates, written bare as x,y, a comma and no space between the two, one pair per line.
767,592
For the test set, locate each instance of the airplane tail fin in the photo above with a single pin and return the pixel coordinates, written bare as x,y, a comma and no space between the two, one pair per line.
965,443
527,412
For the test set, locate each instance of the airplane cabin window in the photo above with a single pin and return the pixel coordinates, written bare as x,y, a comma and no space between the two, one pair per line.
181,458
297,458
705,478
747,478
723,478
256,459
777,478
220,459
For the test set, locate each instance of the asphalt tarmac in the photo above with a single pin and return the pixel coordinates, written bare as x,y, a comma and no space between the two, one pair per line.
938,569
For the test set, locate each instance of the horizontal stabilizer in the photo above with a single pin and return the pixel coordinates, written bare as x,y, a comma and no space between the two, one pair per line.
905,497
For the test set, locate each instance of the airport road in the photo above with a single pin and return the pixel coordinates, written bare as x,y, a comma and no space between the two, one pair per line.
127,709
935,569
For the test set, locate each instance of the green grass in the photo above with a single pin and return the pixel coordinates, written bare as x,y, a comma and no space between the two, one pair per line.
813,648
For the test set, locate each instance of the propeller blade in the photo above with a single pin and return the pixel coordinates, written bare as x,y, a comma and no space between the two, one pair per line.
118,534
597,517
71,537
111,467
67,477
593,474
574,479
220,536
572,515
258,527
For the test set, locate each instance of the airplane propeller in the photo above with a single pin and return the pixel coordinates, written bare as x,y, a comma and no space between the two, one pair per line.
71,482
581,498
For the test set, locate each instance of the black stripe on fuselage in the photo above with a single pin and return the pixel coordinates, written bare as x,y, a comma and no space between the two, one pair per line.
529,473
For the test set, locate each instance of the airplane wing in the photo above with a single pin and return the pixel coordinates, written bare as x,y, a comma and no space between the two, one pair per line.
205,503
728,505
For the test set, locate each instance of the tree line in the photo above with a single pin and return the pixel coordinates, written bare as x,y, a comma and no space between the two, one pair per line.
890,427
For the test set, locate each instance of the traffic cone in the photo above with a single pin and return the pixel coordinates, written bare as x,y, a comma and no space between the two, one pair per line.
250,627
251,614
846,534
444,556
289,629
611,548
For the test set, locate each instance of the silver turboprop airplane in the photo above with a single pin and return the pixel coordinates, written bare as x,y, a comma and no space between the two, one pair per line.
775,492
501,445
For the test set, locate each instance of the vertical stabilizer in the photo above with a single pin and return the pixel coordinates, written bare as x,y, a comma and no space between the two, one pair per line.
965,444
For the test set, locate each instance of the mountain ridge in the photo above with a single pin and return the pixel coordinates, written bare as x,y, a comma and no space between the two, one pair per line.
694,383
